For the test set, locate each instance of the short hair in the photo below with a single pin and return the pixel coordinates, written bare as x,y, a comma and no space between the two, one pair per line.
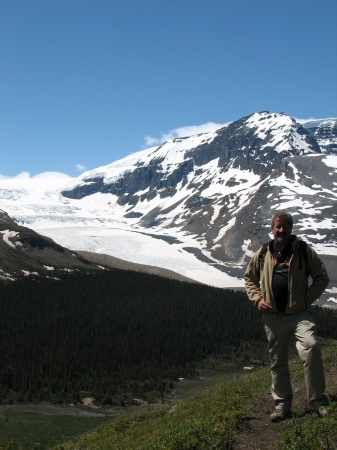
288,216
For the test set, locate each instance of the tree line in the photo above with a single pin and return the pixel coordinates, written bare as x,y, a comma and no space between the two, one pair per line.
114,332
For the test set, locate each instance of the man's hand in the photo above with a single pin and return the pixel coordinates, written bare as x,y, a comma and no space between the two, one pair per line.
264,307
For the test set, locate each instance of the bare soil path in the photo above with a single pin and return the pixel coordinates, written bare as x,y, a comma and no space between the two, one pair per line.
259,433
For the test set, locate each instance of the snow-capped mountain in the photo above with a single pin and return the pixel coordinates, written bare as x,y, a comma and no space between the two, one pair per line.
198,205
325,133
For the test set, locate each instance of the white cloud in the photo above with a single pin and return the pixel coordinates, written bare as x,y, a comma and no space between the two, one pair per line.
50,175
44,175
186,131
80,168
21,175
151,141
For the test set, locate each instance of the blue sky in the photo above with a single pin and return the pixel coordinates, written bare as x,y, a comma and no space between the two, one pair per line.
87,82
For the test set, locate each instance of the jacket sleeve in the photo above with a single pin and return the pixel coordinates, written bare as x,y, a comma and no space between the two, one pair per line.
252,281
318,273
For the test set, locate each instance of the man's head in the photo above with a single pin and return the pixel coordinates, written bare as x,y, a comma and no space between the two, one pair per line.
281,227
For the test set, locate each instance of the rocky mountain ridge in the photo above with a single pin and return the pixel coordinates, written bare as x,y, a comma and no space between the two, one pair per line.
241,163
201,204
325,133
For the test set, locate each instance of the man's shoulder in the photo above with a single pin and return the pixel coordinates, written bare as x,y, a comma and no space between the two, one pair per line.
265,247
304,247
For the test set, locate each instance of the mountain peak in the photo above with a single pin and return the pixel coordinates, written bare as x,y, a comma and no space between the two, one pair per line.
198,205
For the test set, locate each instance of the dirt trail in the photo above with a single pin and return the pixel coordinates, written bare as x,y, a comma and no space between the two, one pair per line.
259,433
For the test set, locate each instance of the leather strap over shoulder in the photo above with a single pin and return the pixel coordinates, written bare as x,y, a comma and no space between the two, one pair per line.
260,258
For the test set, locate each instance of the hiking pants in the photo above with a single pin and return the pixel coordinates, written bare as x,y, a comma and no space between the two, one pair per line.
279,329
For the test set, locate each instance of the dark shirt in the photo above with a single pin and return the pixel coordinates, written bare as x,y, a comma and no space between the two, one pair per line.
280,275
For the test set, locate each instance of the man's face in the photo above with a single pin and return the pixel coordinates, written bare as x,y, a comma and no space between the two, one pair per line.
281,231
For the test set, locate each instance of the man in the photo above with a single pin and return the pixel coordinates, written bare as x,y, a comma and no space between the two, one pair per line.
277,283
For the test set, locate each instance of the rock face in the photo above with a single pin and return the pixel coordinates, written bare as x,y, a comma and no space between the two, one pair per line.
256,143
223,186
218,189
325,133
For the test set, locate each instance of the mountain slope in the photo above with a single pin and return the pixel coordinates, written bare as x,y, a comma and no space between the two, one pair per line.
231,414
198,205
24,252
112,262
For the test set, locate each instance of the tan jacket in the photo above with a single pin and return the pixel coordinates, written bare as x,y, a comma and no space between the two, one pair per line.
300,296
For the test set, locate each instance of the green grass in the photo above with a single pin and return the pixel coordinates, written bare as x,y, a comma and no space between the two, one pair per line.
310,432
41,431
210,420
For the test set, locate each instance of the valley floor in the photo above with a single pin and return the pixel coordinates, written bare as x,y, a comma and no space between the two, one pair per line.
231,415
216,411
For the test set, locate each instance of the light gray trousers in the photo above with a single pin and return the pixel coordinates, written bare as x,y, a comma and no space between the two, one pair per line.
279,329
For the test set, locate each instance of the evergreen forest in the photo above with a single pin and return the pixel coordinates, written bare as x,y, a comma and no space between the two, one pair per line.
114,333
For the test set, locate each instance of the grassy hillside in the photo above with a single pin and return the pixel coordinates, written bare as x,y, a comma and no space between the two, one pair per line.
119,336
218,416
40,431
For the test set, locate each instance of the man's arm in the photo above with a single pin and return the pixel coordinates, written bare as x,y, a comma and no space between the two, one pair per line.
252,281
318,273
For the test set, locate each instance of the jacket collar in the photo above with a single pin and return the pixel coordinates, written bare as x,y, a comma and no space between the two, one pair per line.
293,241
